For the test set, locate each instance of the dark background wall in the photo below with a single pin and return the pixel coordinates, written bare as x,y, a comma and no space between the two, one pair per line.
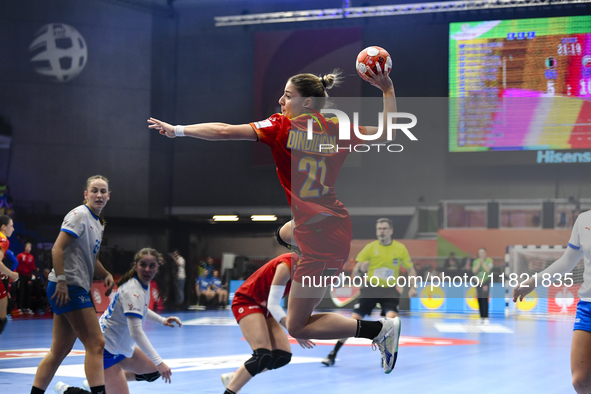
179,67
65,132
419,46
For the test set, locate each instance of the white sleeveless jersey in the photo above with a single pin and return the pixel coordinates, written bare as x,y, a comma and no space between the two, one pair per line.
80,256
580,239
131,300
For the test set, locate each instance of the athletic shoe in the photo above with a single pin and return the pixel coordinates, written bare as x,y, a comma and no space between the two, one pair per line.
227,378
60,388
329,360
86,385
387,341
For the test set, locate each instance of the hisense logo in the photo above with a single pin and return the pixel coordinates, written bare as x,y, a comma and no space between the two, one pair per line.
549,156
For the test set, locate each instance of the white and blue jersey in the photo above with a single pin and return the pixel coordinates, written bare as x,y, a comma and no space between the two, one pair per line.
131,300
580,239
80,256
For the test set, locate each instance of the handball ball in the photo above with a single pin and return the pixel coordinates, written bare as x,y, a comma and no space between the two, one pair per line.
369,57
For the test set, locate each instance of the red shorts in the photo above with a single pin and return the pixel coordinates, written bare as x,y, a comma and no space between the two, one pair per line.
325,247
2,291
244,306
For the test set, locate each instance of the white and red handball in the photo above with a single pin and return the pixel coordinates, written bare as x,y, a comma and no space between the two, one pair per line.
369,57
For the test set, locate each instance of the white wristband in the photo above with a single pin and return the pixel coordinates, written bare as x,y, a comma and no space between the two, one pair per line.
61,277
179,130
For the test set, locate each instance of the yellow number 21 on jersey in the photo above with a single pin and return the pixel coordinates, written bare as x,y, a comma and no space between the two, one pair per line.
311,166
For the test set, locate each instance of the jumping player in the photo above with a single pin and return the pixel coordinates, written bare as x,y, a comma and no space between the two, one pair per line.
122,327
256,306
308,173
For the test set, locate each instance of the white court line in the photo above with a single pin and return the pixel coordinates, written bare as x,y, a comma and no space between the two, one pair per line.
474,328
176,365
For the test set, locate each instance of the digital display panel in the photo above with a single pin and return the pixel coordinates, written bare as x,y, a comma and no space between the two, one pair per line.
520,85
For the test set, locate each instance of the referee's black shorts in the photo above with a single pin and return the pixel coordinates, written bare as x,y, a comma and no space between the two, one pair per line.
367,302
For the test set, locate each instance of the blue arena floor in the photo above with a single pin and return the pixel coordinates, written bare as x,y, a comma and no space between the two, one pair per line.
437,355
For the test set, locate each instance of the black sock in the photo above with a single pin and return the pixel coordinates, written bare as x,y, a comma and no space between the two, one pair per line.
368,329
35,390
228,391
76,390
339,344
98,390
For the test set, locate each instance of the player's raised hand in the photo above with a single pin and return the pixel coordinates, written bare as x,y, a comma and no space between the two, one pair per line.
381,79
162,127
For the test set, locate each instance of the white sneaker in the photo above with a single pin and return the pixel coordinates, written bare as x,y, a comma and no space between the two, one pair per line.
387,341
60,388
486,321
86,385
227,378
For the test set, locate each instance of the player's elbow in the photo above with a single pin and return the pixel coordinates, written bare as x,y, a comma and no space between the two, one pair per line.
225,132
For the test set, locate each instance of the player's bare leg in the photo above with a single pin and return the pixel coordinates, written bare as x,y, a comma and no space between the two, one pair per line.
3,319
255,330
61,344
580,361
303,325
85,324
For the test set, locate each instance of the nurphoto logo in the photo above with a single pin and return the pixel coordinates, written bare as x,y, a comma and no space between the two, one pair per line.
345,132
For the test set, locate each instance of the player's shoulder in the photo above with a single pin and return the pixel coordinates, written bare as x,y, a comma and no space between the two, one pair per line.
79,211
585,216
271,122
285,257
132,286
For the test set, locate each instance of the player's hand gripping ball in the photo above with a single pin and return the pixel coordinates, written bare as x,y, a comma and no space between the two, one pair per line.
369,57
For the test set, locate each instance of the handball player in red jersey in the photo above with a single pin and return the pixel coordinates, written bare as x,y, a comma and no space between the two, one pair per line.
322,229
6,229
256,306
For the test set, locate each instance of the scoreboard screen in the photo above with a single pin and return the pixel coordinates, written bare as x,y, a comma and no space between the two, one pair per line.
520,84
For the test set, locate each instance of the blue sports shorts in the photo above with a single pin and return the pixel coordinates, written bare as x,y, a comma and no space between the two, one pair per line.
111,359
583,317
79,299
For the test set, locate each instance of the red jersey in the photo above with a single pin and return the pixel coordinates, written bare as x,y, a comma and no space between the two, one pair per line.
258,285
26,264
4,243
307,169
